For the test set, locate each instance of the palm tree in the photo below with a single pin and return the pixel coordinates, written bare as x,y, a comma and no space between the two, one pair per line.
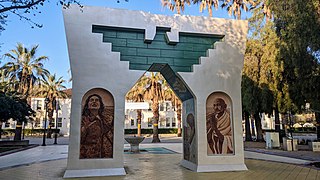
153,88
178,107
262,6
25,68
21,73
9,87
176,103
52,88
155,94
136,94
234,7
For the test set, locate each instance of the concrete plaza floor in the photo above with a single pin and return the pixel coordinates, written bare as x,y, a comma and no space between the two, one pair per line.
151,166
49,162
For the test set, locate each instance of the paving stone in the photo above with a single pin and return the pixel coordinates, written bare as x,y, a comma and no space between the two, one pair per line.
50,162
155,166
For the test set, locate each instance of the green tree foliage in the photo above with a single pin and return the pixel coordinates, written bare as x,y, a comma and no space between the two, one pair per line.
52,88
24,76
19,75
136,94
12,107
264,88
283,53
153,88
251,76
271,74
24,68
154,93
255,95
233,7
5,107
298,26
247,89
170,95
263,82
289,64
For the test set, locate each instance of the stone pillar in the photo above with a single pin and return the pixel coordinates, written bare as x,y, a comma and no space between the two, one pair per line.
93,65
218,76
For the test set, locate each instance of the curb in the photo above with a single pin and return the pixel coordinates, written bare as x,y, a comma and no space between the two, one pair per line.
19,149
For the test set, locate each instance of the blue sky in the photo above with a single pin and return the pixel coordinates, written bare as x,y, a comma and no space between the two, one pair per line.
51,37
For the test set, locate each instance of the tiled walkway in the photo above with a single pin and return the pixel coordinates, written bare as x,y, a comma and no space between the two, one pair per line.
152,166
49,162
34,155
47,153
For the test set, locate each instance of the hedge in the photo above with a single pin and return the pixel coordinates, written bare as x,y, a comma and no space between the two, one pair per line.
126,131
305,129
295,130
150,131
26,131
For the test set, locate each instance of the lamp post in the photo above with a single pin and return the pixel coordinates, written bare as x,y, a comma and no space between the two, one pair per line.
56,123
23,127
46,101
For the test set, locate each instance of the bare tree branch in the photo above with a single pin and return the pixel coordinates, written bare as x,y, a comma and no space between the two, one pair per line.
28,5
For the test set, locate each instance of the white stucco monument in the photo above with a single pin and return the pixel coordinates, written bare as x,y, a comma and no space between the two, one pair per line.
200,57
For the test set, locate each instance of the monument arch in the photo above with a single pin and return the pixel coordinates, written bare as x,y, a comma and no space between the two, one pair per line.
112,48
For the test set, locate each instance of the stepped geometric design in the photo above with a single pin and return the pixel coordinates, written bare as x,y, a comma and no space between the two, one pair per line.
141,55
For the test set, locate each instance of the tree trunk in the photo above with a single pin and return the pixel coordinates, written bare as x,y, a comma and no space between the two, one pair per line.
253,132
247,126
49,132
179,119
139,121
258,127
284,123
20,87
17,134
50,117
277,119
317,114
155,109
1,129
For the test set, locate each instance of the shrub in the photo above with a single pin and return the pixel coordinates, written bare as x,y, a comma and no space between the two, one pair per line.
10,132
150,131
304,129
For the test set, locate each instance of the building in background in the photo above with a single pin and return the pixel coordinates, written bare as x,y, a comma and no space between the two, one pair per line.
38,105
167,118
62,117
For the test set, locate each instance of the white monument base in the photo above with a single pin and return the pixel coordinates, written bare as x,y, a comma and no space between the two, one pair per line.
213,167
188,165
94,173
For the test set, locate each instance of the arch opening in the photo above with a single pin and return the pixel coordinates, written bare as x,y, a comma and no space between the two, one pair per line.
174,109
